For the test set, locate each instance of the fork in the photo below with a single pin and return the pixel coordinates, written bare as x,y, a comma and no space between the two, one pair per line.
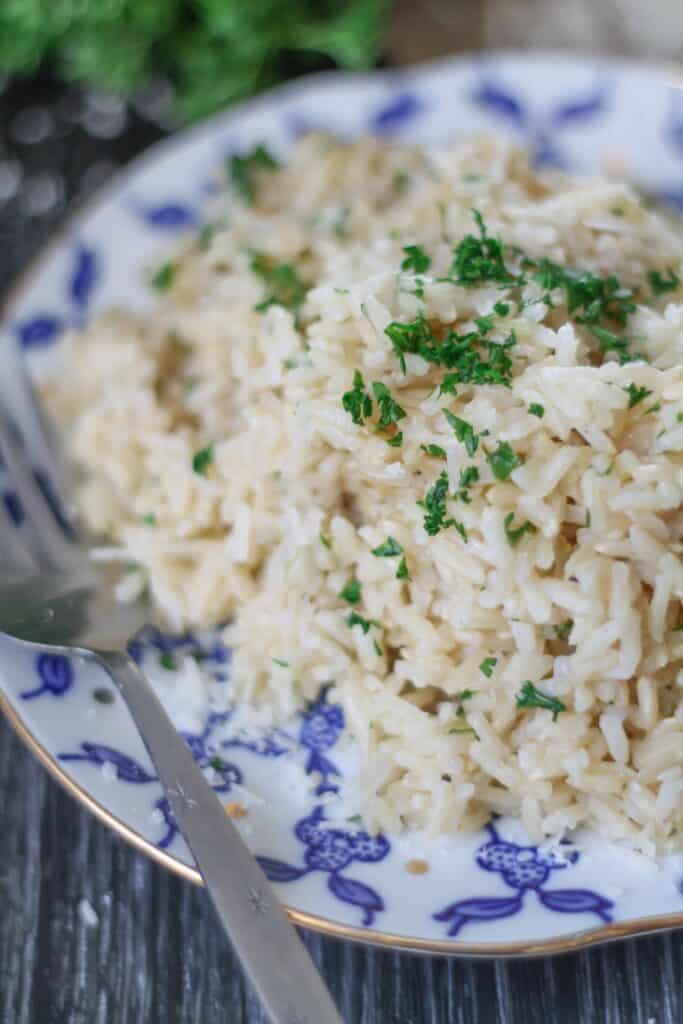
52,594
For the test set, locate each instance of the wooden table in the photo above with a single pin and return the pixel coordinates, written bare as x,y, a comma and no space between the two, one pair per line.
93,933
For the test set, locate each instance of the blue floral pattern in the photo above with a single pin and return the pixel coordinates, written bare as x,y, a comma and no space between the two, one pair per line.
321,726
331,850
524,869
55,674
539,131
43,328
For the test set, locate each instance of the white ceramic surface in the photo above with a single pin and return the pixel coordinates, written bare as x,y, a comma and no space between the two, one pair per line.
485,893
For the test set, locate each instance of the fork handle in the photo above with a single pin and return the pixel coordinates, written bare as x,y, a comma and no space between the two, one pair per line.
262,936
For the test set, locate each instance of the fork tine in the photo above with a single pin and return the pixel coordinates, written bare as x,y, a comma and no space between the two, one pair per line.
50,545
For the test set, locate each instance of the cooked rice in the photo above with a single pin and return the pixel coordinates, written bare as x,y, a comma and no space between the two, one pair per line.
295,495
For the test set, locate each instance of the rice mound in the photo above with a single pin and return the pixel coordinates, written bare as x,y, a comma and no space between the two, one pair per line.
221,458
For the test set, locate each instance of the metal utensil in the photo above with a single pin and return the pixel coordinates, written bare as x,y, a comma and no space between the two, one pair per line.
50,593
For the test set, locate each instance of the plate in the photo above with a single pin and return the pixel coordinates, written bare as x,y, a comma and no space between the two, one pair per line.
491,893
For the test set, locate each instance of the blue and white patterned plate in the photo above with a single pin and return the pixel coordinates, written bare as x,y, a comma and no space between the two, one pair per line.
489,893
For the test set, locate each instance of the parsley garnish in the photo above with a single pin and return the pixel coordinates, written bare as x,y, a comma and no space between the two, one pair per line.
465,694
378,650
663,282
611,342
218,764
411,337
564,629
202,459
636,394
487,666
281,663
351,591
448,385
163,277
594,298
389,410
461,730
459,353
388,549
281,280
537,410
653,408
503,460
402,571
245,170
416,259
464,432
326,541
501,309
167,661
354,619
434,504
434,450
396,441
149,519
480,259
530,697
468,476
460,527
357,401
515,533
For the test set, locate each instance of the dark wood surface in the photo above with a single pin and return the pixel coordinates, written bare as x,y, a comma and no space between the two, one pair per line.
152,953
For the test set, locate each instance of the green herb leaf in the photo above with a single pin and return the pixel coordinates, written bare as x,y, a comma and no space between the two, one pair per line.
515,533
389,410
636,394
408,337
281,280
351,591
388,549
378,650
149,519
461,730
218,764
465,694
416,259
487,666
478,260
245,170
460,527
464,432
357,401
167,661
402,571
434,505
537,410
564,629
503,460
501,309
354,619
530,697
611,342
435,450
669,281
396,441
163,277
326,541
281,663
202,459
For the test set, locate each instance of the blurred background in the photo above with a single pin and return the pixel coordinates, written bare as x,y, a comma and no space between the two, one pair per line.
87,84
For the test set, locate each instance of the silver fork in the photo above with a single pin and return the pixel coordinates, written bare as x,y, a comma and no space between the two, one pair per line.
50,593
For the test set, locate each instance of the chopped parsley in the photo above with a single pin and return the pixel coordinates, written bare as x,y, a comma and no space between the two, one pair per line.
564,629
501,309
460,353
435,450
326,541
218,764
281,663
202,459
611,342
378,650
205,236
487,666
461,730
669,281
281,280
460,527
396,441
465,694
244,170
503,460
354,619
149,519
389,410
448,384
537,410
357,401
636,394
388,549
464,432
480,259
653,408
163,277
167,661
402,571
530,697
589,298
416,259
515,533
414,336
351,591
434,505
468,476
